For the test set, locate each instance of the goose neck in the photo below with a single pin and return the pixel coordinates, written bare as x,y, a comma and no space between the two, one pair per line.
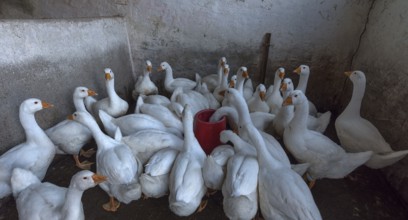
32,130
299,120
97,133
79,104
303,82
72,207
354,105
169,75
110,87
220,75
264,157
240,85
224,81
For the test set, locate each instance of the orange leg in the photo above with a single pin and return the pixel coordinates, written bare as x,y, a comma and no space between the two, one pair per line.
112,205
85,165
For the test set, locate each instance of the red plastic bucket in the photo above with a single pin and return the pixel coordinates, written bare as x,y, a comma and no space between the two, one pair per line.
208,133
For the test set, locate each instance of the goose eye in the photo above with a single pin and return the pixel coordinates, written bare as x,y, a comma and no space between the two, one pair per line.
296,95
85,178
83,90
303,67
36,102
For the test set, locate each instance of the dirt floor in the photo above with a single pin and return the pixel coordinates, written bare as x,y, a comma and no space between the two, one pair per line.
364,194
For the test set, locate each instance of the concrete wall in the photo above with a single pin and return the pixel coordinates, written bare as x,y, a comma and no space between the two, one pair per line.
383,57
47,59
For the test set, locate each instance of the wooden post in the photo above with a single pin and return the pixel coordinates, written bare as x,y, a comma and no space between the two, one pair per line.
263,62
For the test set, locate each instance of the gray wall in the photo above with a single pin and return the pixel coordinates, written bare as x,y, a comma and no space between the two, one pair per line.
383,57
47,59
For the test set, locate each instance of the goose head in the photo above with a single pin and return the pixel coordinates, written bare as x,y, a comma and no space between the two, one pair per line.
34,105
163,66
108,74
226,69
82,92
295,98
233,81
357,77
242,73
286,85
86,179
280,73
82,117
261,89
149,66
222,61
302,70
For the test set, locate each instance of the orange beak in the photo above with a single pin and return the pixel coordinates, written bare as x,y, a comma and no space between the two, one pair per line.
262,95
222,93
348,73
108,76
232,84
160,69
297,70
284,87
149,68
287,101
98,178
46,104
91,92
70,117
225,71
245,74
281,75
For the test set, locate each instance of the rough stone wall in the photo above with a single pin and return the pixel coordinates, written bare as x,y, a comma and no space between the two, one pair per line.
383,57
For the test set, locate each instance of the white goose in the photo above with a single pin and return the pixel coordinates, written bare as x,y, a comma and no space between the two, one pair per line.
156,99
242,74
274,148
283,194
70,136
155,179
240,186
35,154
213,103
170,83
215,166
115,161
261,120
145,143
327,159
194,99
286,113
214,80
161,113
133,123
113,104
304,71
223,85
275,99
357,134
186,180
36,200
144,85
257,102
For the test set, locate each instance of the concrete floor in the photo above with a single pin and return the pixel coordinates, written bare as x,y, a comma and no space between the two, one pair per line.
364,194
